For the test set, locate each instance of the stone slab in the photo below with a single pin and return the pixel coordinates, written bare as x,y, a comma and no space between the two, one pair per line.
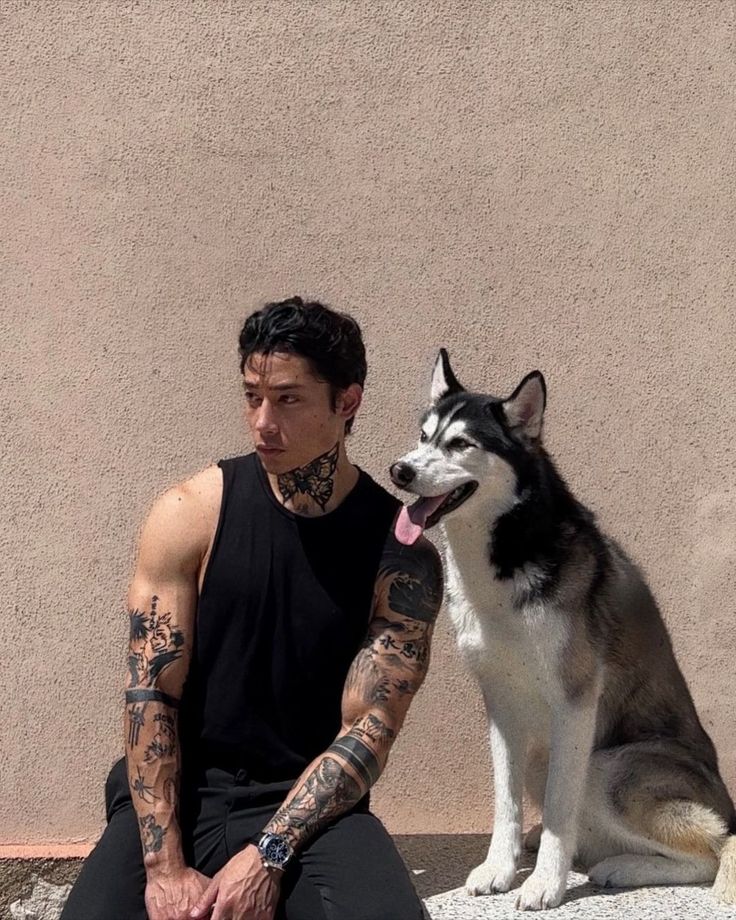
440,864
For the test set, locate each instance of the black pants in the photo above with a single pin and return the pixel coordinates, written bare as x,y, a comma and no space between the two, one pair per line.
349,871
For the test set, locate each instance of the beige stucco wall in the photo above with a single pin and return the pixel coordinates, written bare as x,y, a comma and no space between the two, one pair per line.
530,184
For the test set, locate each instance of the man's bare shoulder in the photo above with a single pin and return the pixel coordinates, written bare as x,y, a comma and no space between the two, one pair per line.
181,521
191,499
203,491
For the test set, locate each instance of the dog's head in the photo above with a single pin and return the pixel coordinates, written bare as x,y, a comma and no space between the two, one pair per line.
470,444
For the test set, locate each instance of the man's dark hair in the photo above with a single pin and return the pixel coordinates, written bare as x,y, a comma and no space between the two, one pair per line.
330,341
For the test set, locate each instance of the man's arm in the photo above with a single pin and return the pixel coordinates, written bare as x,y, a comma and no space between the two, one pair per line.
381,683
162,603
385,676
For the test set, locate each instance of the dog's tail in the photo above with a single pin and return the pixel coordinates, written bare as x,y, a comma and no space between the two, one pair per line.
724,887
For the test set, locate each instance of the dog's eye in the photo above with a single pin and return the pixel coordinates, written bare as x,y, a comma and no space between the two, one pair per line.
459,444
422,436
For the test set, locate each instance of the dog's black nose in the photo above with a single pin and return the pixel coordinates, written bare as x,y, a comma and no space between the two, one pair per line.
401,473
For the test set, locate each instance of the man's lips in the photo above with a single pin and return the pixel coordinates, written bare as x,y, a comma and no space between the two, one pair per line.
267,449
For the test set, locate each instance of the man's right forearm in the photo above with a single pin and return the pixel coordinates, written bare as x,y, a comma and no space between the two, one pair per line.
152,746
153,760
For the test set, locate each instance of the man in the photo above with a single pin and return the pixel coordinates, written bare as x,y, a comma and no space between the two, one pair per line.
278,633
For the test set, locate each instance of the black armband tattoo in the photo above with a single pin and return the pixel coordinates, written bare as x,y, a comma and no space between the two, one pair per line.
359,756
151,696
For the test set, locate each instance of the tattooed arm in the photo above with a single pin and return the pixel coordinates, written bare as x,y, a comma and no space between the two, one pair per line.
382,681
380,686
162,602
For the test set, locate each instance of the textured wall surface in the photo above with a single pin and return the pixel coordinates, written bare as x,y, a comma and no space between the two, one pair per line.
529,184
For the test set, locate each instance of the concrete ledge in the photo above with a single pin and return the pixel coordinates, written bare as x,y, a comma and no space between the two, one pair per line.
19,879
54,851
440,864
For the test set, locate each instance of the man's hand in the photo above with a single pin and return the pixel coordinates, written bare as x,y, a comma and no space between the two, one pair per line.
244,889
171,894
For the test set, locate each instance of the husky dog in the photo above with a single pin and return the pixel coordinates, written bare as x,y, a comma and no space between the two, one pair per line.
586,703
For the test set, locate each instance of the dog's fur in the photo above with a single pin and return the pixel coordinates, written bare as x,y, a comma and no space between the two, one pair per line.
586,703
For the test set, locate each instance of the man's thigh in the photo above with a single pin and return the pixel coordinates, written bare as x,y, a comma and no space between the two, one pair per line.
111,885
351,871
112,881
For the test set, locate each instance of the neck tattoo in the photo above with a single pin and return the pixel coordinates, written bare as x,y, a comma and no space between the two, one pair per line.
316,479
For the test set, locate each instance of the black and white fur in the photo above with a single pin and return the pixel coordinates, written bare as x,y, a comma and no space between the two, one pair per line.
586,704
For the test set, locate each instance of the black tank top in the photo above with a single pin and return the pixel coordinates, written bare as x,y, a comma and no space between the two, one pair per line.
284,608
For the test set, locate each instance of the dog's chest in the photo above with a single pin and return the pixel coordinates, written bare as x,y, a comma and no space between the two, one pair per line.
493,631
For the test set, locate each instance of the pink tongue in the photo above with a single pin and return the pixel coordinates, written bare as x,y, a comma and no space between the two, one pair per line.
413,519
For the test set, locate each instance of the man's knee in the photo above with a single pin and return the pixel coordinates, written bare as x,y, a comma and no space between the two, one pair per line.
390,910
111,882
394,901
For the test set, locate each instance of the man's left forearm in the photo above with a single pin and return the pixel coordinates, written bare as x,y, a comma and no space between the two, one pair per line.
335,781
384,677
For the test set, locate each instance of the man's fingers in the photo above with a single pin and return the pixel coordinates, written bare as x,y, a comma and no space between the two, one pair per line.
219,912
203,905
204,880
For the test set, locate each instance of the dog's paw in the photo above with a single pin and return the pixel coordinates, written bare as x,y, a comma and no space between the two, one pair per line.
532,838
491,877
539,892
615,872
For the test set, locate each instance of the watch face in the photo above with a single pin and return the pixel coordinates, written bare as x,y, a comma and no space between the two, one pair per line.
276,850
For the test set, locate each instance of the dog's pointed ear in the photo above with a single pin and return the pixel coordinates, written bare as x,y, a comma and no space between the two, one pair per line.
443,379
524,409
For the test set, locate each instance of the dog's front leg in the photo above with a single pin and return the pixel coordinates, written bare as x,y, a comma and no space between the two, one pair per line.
572,730
508,739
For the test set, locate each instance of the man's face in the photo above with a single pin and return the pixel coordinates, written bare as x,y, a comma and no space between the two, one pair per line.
288,411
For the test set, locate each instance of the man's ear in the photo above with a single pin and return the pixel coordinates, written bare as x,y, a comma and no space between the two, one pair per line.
443,379
524,409
348,400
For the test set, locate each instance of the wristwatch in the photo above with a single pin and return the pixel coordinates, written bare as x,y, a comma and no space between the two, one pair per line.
275,850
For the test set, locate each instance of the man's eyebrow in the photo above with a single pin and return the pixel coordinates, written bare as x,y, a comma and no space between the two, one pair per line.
277,386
